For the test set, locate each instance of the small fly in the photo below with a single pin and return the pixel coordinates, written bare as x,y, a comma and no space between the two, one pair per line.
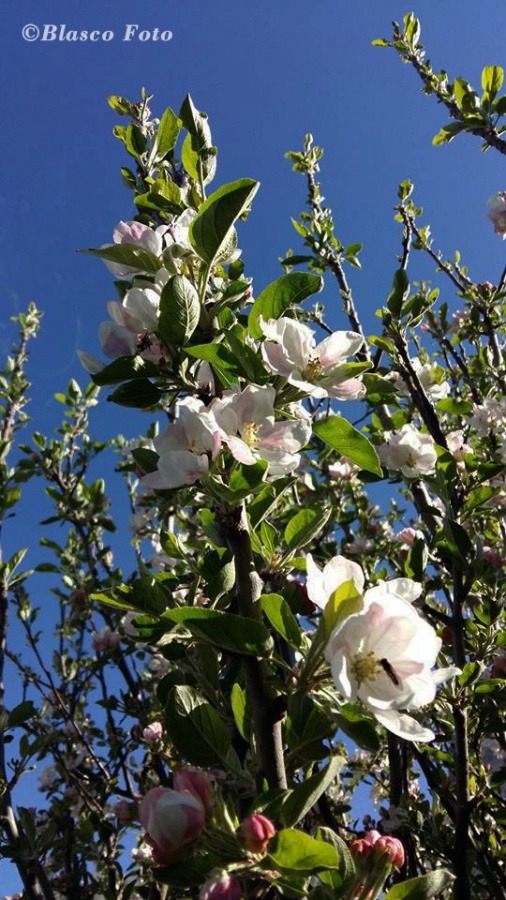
385,665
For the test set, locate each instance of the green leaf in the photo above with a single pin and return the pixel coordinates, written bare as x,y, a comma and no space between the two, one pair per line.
125,368
237,634
295,852
399,293
446,134
141,394
129,255
358,728
246,480
492,78
343,437
305,795
145,459
197,731
288,290
455,407
422,888
212,227
304,526
282,619
239,704
166,137
179,311
200,145
190,158
135,140
21,713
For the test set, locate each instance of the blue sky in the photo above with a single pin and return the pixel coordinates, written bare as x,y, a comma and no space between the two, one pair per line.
266,72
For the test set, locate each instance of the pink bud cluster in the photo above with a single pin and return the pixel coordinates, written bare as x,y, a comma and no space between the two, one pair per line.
175,817
380,847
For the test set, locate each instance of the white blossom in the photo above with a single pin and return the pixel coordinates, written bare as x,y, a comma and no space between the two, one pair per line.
384,656
408,451
185,447
319,370
497,214
248,427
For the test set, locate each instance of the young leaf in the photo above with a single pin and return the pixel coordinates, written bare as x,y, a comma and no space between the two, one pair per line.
179,311
288,290
305,795
343,437
196,730
129,255
304,526
212,227
422,888
166,137
293,851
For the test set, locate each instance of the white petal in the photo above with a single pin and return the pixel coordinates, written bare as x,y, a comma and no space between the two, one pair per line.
404,726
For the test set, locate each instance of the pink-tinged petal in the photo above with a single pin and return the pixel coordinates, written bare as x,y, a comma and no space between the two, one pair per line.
280,463
404,726
351,389
255,404
116,340
307,387
176,469
143,305
337,347
314,583
338,570
289,436
240,451
276,359
442,675
89,362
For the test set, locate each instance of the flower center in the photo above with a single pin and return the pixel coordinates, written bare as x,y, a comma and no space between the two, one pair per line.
249,433
365,668
313,370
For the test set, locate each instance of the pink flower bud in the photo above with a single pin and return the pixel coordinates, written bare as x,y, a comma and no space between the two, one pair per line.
197,783
152,733
497,214
391,848
499,667
172,820
257,830
360,849
221,888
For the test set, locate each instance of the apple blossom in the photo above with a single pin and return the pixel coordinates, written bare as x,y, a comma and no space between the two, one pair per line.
221,887
409,451
152,733
195,782
497,214
172,820
141,236
384,655
322,584
257,830
430,378
247,426
185,447
320,370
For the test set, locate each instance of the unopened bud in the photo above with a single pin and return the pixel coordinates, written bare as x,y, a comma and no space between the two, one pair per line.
257,831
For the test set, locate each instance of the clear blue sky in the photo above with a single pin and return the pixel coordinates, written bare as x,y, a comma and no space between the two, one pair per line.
266,72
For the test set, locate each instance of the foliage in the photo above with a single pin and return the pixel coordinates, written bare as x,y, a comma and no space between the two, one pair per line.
274,649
